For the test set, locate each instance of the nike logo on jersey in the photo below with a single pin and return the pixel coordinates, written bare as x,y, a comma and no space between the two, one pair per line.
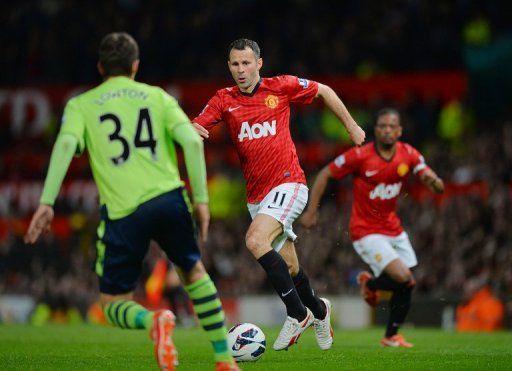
286,293
370,173
231,109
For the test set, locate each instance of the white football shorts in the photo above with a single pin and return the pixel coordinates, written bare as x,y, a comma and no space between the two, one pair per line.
378,250
284,203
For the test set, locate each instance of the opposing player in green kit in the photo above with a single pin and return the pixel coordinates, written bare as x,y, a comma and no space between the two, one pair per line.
128,129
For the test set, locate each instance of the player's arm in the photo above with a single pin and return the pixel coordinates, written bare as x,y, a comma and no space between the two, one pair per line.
426,175
209,116
181,130
193,152
335,104
62,154
343,165
430,179
310,216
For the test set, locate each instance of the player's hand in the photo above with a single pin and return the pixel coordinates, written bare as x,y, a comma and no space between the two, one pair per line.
357,134
309,219
41,222
203,217
201,130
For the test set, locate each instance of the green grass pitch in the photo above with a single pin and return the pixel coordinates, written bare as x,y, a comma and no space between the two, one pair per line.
88,347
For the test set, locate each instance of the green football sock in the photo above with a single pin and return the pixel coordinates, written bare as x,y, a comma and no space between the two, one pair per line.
128,314
208,308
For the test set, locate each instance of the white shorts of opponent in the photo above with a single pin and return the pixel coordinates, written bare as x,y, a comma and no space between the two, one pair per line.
284,203
378,250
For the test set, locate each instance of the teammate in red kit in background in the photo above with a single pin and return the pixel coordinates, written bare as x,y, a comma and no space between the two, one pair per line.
257,113
379,170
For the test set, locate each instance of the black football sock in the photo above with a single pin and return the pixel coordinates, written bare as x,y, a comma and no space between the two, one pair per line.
383,282
399,306
277,272
307,295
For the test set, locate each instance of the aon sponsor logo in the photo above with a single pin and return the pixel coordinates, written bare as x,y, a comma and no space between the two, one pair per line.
385,191
257,130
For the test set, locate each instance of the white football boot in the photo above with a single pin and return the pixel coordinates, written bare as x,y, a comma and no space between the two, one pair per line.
323,330
291,331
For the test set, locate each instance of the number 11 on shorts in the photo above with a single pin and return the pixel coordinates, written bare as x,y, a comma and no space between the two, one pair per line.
278,200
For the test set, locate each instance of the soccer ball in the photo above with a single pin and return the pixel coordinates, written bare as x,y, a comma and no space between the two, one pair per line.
247,342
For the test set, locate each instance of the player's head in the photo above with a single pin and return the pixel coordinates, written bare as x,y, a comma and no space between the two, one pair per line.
387,127
244,63
118,55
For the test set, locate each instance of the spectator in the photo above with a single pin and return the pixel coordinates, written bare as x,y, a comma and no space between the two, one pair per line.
480,309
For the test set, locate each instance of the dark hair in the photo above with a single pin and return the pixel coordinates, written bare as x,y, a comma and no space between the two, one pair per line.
241,44
117,52
386,111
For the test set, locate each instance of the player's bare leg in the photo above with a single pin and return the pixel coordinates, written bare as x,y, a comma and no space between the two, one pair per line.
106,299
263,230
197,272
398,271
398,278
321,307
122,311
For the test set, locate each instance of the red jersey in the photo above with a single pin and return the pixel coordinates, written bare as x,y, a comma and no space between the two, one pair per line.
377,184
259,126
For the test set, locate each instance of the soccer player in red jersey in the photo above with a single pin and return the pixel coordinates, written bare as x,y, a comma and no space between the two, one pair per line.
379,170
257,113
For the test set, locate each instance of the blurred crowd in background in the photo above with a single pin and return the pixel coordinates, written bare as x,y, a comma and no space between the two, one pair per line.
189,39
463,235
